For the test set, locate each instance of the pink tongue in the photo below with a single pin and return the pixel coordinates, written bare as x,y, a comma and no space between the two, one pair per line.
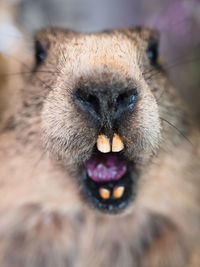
105,167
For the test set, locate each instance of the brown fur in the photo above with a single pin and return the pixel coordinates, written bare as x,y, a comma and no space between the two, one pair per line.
44,220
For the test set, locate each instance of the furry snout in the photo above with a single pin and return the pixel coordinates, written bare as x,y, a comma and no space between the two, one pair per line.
102,129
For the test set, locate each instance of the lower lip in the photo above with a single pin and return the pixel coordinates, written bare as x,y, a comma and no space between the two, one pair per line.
91,193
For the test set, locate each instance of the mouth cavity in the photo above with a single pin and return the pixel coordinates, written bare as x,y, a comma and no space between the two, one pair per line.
108,180
106,167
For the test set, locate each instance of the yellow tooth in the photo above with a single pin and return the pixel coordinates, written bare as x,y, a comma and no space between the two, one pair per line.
103,143
104,193
117,143
118,191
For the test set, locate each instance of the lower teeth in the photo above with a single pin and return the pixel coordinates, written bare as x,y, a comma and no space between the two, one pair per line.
104,193
118,192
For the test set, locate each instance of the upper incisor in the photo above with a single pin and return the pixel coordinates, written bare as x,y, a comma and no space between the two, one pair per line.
103,143
117,143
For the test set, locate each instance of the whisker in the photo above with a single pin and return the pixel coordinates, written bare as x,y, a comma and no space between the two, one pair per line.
159,71
188,61
170,66
30,70
35,165
178,130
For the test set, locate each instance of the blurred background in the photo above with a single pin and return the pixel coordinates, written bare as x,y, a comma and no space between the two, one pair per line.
178,22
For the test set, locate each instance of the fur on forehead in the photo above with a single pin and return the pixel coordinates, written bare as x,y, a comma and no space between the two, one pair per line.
109,53
119,49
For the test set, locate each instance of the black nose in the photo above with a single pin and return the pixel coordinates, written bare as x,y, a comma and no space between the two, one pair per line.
105,106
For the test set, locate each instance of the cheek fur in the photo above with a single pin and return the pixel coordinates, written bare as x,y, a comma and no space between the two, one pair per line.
142,130
66,133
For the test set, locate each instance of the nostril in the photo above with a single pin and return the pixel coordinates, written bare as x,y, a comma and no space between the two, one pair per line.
90,103
93,101
103,108
126,100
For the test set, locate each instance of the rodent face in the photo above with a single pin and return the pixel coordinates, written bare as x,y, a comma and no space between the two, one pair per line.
99,96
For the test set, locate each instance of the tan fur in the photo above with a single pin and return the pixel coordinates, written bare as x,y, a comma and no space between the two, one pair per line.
44,220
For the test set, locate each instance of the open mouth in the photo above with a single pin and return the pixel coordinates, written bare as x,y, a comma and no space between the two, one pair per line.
109,180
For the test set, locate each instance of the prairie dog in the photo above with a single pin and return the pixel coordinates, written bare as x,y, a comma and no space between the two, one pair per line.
100,158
